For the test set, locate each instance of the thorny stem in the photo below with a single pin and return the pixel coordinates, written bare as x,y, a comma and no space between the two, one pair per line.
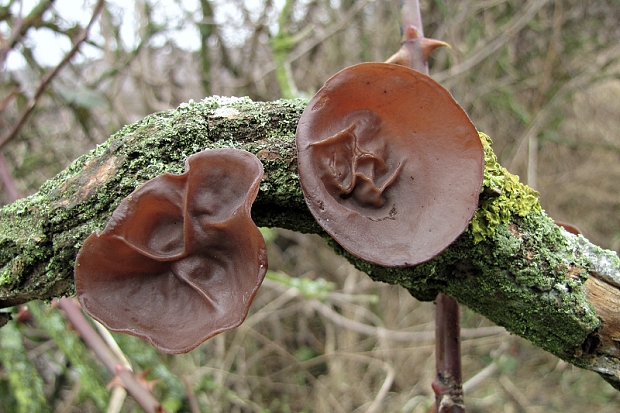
412,21
411,16
448,386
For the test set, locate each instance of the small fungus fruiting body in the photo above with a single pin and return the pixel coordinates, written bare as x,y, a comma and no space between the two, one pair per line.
181,259
568,227
390,165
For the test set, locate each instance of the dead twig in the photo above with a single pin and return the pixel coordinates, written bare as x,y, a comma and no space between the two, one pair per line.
485,50
382,332
16,34
47,79
448,386
7,180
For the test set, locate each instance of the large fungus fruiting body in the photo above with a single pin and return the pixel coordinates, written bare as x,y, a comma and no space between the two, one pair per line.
390,165
181,259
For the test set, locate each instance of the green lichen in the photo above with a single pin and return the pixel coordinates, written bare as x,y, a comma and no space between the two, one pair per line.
532,269
512,253
502,196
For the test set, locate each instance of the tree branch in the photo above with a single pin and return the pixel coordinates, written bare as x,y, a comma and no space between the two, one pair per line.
47,79
513,264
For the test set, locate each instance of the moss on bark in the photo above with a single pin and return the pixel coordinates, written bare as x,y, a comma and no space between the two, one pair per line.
513,264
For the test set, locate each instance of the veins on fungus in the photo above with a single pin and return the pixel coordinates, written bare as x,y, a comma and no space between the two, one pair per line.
353,162
181,259
390,165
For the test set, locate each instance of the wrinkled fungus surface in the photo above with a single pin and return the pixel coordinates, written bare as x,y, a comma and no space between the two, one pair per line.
390,165
181,259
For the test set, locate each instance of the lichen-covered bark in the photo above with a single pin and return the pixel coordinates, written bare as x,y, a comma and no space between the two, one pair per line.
513,264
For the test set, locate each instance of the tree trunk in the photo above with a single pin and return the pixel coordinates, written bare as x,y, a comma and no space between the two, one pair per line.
513,264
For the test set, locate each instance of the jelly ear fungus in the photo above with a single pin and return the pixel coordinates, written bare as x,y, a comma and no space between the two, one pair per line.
390,165
181,259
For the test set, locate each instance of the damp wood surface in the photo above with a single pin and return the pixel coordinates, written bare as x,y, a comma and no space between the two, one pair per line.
512,264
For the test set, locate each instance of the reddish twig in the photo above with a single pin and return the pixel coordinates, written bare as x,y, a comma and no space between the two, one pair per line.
129,381
47,79
411,23
9,43
411,16
8,99
448,386
191,396
117,365
8,181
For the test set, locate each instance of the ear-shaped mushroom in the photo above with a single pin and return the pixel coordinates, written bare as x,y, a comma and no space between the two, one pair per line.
181,259
390,165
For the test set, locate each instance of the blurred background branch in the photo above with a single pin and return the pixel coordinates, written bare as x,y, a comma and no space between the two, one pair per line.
48,78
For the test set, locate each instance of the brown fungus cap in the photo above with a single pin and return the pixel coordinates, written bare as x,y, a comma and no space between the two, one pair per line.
390,165
181,259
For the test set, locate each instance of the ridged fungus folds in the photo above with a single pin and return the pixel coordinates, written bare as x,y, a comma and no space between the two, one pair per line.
181,259
390,165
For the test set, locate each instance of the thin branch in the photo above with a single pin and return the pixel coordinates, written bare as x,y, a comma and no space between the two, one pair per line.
117,399
191,396
390,374
137,390
7,180
20,29
7,45
9,98
587,76
45,82
333,29
448,387
411,16
382,332
512,28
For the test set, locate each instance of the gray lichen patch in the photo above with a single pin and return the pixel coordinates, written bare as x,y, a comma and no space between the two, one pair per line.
604,263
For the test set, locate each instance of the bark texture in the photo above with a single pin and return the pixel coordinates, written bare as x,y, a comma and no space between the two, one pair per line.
513,264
